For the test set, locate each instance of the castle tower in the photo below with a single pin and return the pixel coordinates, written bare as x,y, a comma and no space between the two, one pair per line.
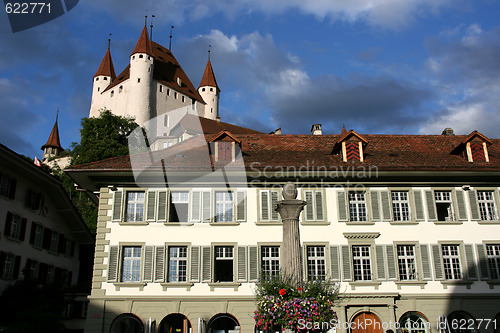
53,146
102,79
210,92
139,98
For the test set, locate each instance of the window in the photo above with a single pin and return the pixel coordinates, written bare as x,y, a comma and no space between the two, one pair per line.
183,98
177,264
406,262
175,94
211,89
166,120
314,205
357,206
444,206
131,264
451,262
486,201
138,80
38,235
223,264
361,262
493,254
414,322
316,263
33,199
135,207
223,206
15,227
161,88
224,151
270,260
105,79
7,187
202,89
168,92
32,269
7,263
179,201
120,89
112,93
141,56
167,144
400,205
268,200
54,241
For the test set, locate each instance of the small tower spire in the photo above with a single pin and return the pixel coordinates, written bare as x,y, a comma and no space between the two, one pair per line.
170,43
109,41
151,26
143,44
53,145
209,46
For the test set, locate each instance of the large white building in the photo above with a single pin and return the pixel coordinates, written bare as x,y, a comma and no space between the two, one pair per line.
408,225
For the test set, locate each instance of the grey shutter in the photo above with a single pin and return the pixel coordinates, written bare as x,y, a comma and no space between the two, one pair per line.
426,262
334,262
117,206
242,264
160,264
391,262
151,205
379,255
471,262
206,254
346,263
148,263
253,262
375,205
431,205
461,208
274,201
385,198
342,206
474,208
483,262
113,263
162,206
309,209
195,264
264,205
241,206
319,206
438,263
195,206
206,206
419,205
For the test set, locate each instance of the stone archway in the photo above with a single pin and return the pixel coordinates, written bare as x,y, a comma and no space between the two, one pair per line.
366,322
223,323
175,323
127,323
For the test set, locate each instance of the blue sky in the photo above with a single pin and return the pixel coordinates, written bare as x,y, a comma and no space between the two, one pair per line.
377,66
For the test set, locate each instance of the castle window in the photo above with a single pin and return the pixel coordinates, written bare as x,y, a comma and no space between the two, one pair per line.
141,56
211,89
168,92
149,58
166,121
175,95
97,79
112,93
202,89
98,89
182,99
133,57
120,89
138,80
161,88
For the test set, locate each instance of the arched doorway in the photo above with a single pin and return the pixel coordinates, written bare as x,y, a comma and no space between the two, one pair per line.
127,323
223,323
414,322
175,323
461,322
366,322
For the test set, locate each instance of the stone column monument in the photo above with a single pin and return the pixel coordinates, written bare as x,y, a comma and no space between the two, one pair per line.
289,210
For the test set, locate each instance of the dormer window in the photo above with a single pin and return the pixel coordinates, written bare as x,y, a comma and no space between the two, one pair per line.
478,151
352,151
224,147
474,148
350,146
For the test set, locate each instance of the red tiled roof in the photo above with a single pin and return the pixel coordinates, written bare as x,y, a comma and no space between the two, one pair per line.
313,152
143,44
106,68
53,140
192,123
208,78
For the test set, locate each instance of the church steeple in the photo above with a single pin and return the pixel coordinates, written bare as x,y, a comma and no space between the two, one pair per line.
106,68
143,44
53,145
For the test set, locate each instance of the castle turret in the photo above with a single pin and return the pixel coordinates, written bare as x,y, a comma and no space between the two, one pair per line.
210,92
102,79
141,75
53,146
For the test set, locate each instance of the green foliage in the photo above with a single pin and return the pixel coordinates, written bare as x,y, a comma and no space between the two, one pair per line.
29,307
103,137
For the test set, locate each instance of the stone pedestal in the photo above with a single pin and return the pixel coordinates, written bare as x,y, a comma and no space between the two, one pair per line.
289,210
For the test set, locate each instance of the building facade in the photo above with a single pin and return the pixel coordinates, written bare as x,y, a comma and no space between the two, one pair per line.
407,225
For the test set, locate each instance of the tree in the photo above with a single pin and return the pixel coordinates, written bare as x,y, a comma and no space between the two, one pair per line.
103,137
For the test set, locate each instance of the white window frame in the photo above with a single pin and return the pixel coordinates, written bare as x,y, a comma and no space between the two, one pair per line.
362,263
444,197
134,272
407,262
178,198
179,261
493,255
8,268
487,206
15,227
135,203
269,206
270,259
452,265
316,262
357,206
225,255
400,205
224,206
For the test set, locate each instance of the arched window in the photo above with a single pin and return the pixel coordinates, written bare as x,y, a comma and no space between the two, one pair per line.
127,323
175,322
414,322
222,323
461,322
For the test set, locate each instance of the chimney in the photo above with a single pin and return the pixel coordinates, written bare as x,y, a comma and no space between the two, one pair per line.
277,131
448,131
316,129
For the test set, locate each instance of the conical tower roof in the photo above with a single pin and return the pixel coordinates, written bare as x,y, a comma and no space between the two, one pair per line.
143,44
106,68
208,78
53,140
